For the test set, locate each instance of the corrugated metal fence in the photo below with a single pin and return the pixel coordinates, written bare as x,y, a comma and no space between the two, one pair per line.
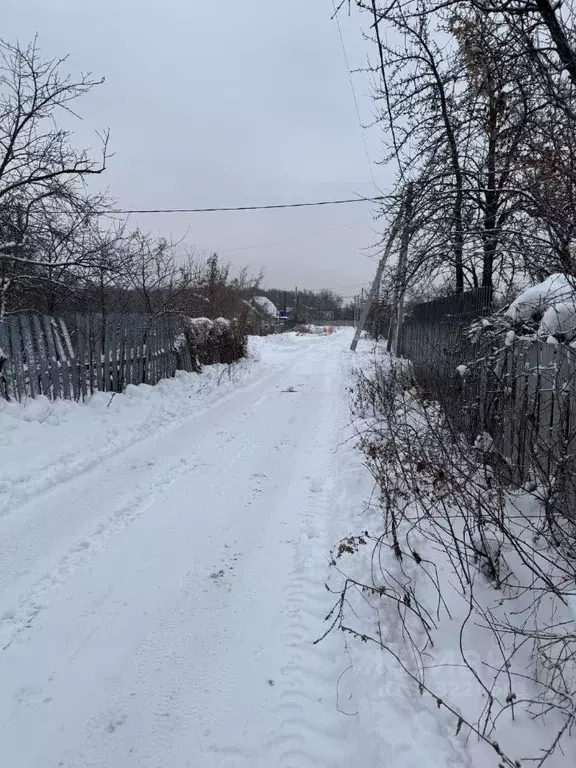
433,333
48,356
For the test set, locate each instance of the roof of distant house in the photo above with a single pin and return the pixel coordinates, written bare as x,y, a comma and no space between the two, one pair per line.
265,306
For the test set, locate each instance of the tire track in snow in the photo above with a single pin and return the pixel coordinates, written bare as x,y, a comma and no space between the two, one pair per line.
313,732
15,621
19,612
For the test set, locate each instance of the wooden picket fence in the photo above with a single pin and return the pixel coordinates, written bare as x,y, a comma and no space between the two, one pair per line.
522,394
48,356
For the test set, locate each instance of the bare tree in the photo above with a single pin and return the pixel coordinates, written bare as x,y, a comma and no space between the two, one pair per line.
477,109
38,157
419,100
41,172
152,274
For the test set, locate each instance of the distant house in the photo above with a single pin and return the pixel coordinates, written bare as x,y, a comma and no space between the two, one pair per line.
263,316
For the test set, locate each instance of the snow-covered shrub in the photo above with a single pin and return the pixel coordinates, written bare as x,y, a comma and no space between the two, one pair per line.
221,326
211,341
199,328
540,311
378,388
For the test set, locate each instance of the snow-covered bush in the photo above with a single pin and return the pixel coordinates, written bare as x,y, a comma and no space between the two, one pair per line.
547,309
379,387
221,326
199,328
211,341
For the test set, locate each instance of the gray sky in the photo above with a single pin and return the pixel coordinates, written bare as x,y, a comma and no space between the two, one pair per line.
227,103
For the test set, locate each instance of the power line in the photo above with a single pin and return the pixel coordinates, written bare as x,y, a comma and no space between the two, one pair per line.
353,285
353,89
292,239
250,207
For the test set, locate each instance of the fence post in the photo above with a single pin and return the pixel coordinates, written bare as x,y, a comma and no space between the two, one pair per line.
376,283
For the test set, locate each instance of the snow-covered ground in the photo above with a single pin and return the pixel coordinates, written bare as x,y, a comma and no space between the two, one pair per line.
163,562
163,555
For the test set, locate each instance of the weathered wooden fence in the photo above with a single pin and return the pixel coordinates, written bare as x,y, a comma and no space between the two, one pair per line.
524,397
521,395
48,356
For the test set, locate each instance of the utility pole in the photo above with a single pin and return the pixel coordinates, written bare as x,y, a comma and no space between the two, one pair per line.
395,332
377,279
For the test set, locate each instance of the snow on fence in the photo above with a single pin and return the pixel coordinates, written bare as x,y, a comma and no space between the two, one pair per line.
41,355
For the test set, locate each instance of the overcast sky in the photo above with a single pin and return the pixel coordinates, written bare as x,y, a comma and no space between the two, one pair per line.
224,102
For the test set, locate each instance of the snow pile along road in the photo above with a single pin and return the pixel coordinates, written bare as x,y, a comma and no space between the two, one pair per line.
43,443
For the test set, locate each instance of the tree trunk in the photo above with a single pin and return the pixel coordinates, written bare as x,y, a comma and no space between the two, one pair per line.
557,33
489,235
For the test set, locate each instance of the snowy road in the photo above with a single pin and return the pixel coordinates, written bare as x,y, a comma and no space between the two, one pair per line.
157,609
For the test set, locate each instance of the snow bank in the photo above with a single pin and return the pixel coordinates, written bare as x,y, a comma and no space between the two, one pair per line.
43,442
395,721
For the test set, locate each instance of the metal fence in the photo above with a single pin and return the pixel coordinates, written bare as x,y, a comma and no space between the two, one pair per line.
43,355
433,333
